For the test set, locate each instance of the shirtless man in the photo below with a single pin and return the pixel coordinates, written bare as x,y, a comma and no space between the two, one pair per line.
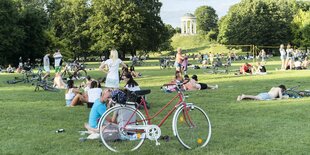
274,92
178,60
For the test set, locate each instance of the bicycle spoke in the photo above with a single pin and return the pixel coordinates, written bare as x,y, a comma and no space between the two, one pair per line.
121,136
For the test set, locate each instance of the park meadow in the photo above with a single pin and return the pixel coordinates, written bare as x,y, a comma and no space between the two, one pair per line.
29,119
87,30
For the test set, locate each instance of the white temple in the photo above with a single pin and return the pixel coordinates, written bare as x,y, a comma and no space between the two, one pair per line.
188,24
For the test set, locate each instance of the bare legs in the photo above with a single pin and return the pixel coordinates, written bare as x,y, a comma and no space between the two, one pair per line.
213,87
241,97
283,67
78,99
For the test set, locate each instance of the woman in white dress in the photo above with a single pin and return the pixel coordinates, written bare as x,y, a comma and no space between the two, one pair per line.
282,57
112,65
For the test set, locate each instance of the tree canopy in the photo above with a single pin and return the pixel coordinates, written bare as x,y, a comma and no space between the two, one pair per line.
259,22
206,19
80,27
31,28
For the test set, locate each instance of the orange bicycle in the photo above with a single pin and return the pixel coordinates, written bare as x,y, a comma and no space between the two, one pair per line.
124,128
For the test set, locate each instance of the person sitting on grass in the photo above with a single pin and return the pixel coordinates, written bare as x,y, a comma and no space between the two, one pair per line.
246,68
58,82
134,73
169,87
86,84
260,68
70,92
131,84
97,110
10,69
274,93
194,85
93,93
125,71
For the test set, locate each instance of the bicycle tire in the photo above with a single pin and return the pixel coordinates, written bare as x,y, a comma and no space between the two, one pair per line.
13,81
119,139
50,88
192,126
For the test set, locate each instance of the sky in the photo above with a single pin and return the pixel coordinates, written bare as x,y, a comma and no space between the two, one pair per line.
173,10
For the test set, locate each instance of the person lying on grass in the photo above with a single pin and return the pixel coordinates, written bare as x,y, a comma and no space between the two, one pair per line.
192,84
274,93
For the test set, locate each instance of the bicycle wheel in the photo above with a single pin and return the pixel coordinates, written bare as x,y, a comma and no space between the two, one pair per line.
191,126
116,135
50,88
81,74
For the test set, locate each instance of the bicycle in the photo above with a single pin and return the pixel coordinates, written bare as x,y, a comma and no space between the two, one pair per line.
191,125
165,63
75,71
28,76
45,85
294,93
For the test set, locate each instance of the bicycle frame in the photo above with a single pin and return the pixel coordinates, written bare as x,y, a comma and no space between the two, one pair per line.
181,102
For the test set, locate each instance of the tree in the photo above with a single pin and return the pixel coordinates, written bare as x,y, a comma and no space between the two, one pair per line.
33,20
206,19
68,28
127,25
178,30
114,24
260,22
11,34
301,28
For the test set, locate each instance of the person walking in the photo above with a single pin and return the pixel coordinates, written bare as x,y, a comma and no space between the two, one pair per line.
46,65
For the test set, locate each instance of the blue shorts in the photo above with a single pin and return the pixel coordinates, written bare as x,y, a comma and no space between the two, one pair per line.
68,103
177,65
264,96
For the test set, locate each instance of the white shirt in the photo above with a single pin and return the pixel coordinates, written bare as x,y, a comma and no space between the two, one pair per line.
46,61
57,57
93,94
289,53
297,64
135,88
282,51
69,95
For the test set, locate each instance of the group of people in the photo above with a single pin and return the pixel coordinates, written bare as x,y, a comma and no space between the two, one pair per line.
247,68
292,59
9,69
190,84
98,99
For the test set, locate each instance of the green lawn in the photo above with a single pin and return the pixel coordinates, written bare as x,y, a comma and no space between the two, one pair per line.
29,119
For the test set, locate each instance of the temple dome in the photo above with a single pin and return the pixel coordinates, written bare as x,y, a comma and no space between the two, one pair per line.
188,16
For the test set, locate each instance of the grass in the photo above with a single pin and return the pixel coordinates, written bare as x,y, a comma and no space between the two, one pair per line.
29,119
194,44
